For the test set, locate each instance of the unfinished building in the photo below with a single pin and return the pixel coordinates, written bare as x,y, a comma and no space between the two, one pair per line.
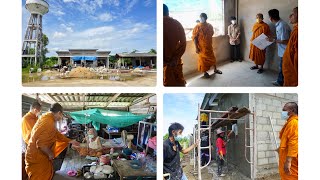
219,13
252,152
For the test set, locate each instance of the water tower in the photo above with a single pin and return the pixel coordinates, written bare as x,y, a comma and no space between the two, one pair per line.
32,42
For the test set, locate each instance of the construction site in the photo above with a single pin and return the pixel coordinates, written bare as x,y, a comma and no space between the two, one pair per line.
79,66
250,151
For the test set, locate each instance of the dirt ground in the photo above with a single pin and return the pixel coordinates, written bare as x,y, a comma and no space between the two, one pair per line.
209,173
148,80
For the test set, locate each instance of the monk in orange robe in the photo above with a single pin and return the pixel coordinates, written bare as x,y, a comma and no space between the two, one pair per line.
202,37
288,150
257,55
174,46
29,120
42,147
290,56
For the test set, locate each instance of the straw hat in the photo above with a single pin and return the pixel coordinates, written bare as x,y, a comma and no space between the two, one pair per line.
219,131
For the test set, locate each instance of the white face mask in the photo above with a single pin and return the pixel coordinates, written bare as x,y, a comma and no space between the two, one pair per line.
90,136
284,115
202,20
178,137
233,21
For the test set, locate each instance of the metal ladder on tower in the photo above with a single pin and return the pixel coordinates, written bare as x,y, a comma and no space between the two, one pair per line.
197,133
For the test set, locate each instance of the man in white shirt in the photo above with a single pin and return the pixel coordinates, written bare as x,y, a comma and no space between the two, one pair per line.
234,39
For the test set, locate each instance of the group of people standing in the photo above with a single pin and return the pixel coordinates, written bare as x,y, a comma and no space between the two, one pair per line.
287,150
174,42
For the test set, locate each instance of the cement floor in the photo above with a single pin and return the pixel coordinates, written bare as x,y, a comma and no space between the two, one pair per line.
236,74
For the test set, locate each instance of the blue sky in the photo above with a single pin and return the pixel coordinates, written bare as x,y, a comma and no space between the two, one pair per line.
181,108
116,25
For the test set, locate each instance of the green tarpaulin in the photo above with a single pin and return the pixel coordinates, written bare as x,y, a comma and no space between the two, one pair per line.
116,119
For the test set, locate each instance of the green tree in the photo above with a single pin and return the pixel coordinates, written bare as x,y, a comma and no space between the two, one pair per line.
134,51
153,51
45,42
166,136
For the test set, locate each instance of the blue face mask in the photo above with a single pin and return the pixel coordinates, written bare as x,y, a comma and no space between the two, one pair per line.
177,137
284,115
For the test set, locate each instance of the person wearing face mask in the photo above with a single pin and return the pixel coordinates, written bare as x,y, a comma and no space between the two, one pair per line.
28,121
257,55
202,37
45,143
94,140
171,152
234,39
290,56
288,149
282,36
174,46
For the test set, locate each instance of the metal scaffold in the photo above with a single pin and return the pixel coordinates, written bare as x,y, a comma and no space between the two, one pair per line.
231,116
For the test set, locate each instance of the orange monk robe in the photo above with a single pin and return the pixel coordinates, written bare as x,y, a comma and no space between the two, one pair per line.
289,147
44,134
290,60
204,32
28,121
174,46
257,55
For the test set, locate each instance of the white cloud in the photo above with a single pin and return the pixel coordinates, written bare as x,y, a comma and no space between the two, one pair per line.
113,2
67,28
66,1
58,13
58,35
105,17
147,3
129,5
114,38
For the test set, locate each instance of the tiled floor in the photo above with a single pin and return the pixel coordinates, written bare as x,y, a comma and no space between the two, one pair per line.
236,74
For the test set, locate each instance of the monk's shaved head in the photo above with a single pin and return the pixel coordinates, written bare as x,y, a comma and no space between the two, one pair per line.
56,107
204,15
165,10
260,16
292,107
294,16
36,105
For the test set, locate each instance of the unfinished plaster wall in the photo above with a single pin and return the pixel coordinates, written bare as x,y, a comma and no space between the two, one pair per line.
247,10
235,148
220,44
268,105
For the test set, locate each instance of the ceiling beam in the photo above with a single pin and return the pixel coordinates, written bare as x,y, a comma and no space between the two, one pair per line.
112,99
141,99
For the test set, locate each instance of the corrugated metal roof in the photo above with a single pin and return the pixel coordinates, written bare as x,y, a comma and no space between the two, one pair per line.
93,100
136,55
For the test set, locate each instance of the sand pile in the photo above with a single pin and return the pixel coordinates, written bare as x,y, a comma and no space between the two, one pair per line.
82,72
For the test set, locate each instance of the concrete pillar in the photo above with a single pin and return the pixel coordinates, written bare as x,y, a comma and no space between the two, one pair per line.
59,60
107,62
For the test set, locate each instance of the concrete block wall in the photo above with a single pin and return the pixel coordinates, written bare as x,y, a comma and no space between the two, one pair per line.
268,105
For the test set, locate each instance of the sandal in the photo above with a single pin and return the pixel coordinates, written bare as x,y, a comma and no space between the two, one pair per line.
218,71
254,67
260,71
206,75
